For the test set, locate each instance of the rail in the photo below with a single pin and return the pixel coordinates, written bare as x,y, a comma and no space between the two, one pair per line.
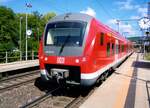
18,80
40,99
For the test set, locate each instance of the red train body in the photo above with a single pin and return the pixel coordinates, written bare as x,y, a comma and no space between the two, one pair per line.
77,49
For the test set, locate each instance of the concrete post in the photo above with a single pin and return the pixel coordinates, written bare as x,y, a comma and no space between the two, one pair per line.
6,57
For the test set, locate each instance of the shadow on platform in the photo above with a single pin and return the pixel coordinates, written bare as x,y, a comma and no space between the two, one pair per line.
141,64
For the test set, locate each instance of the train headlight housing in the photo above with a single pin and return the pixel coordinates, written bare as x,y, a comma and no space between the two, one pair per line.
84,59
46,59
77,61
41,57
61,73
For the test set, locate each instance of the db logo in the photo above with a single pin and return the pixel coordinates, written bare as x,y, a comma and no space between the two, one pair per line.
60,60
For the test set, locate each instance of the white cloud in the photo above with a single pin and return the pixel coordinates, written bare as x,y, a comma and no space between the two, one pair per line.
142,11
135,17
126,29
112,21
127,5
89,11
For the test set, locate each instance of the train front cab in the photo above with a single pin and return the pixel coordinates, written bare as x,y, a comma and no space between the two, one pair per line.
60,58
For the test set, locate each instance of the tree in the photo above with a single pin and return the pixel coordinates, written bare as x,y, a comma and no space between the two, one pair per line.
47,17
8,29
36,22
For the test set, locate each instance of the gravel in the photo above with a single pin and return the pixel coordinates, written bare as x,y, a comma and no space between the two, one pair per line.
55,102
17,97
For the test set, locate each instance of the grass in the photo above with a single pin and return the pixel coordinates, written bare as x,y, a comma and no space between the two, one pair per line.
147,56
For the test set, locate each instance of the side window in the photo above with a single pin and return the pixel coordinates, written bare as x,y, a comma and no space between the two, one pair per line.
102,39
122,48
113,49
108,49
119,48
116,49
128,48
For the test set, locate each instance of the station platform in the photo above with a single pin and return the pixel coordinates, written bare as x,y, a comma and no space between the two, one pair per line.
18,65
127,87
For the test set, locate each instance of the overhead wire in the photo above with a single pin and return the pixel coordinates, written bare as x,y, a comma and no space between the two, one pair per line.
104,9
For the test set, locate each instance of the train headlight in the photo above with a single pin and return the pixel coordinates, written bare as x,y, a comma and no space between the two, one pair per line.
77,60
46,59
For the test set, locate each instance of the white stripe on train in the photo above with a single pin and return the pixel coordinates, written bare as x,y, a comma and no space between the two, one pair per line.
100,71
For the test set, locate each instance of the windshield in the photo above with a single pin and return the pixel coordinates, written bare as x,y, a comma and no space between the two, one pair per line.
65,33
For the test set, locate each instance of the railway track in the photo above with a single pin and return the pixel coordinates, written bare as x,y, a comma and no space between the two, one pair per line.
75,103
58,101
80,99
40,99
18,80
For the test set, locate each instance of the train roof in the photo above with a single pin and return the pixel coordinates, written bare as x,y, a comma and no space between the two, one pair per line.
72,16
86,18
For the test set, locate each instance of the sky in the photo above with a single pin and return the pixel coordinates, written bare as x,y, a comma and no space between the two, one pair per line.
127,12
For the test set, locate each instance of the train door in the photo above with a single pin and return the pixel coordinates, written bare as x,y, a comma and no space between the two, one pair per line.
101,44
101,61
113,48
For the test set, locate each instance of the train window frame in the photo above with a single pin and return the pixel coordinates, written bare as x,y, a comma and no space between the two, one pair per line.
113,48
108,49
116,49
82,33
119,48
122,48
102,38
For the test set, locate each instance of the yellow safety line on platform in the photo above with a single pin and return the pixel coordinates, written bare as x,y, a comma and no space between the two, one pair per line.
123,92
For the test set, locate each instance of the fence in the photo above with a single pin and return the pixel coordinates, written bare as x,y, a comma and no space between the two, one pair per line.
6,57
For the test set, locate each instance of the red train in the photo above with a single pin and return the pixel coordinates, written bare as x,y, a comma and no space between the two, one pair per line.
78,50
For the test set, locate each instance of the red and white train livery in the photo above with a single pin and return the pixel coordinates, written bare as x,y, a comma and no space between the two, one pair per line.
77,49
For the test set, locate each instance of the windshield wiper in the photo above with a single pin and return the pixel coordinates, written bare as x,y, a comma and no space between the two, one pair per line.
63,45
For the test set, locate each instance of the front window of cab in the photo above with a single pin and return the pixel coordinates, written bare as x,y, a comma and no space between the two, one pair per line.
65,33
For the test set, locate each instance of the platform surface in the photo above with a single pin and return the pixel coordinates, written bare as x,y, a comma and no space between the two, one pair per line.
127,87
18,65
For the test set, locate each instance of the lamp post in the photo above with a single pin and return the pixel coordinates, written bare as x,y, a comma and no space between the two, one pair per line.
26,37
118,22
125,34
20,39
28,5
